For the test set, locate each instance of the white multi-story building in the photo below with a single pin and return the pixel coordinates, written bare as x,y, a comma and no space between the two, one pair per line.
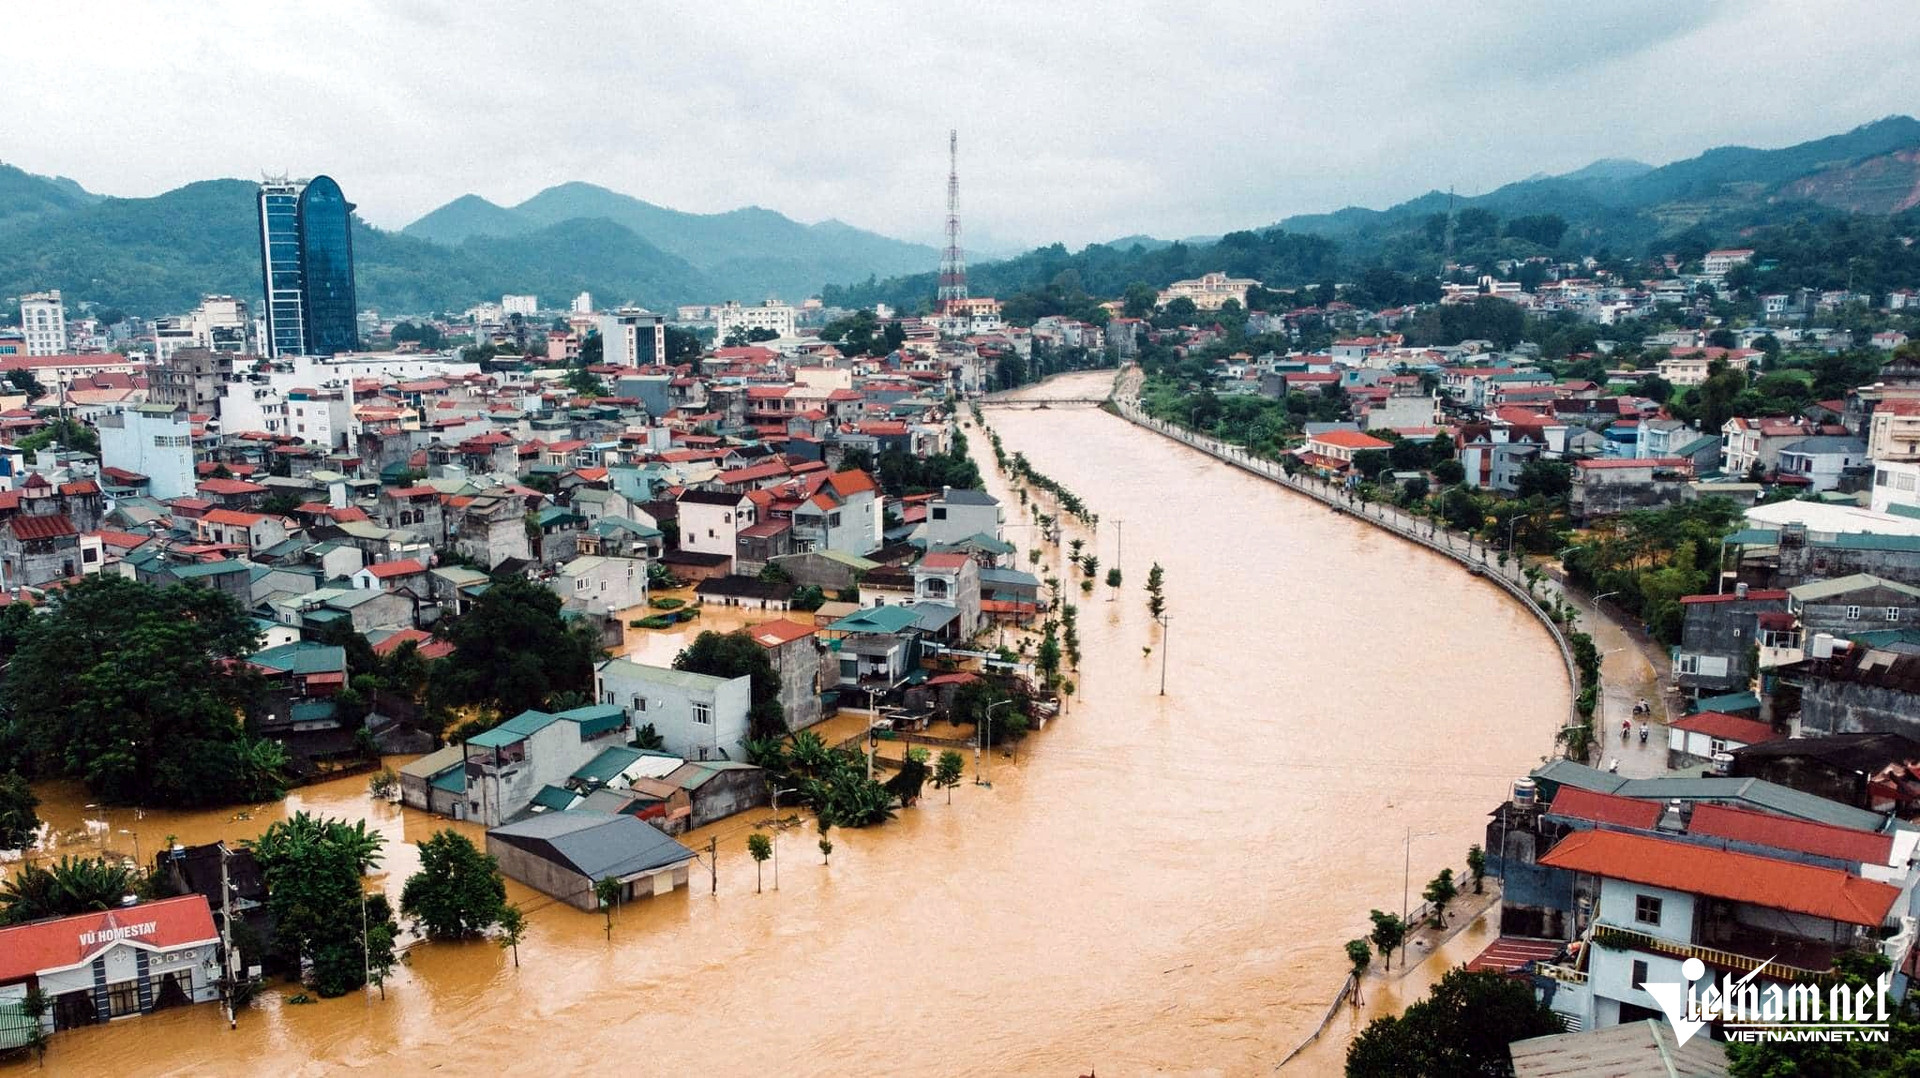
43,317
221,324
1717,263
154,440
698,716
1896,482
582,303
771,315
632,337
525,306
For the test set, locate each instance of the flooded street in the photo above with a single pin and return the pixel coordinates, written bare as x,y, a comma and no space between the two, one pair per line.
1156,884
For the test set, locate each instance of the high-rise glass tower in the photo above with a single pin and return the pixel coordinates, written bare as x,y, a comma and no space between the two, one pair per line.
306,256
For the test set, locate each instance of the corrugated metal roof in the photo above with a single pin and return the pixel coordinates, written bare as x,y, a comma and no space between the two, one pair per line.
1643,1049
594,844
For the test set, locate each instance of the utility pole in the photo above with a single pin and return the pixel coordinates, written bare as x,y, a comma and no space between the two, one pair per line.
228,958
979,761
713,865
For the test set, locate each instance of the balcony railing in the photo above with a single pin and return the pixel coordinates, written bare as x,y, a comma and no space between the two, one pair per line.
1614,937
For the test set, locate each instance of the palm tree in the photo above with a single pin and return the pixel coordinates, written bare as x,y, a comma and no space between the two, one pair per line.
71,885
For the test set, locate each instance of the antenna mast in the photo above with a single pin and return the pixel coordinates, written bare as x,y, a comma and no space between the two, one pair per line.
953,264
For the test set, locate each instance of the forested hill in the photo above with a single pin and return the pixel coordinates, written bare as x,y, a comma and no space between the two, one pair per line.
158,255
1847,196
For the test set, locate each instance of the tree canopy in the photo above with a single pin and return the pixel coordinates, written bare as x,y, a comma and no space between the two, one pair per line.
1461,1029
732,655
513,651
134,690
458,892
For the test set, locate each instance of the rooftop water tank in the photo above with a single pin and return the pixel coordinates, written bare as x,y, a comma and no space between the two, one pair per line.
1525,794
1722,763
1823,645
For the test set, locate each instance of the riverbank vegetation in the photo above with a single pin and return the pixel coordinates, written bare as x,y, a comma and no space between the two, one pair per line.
1463,1027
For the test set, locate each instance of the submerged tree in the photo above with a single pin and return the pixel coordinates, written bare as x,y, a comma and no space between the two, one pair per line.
759,847
458,892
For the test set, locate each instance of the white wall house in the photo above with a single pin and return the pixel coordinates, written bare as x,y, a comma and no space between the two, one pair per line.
700,717
710,521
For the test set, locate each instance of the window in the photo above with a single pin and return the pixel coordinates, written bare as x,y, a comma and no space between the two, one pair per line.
1646,909
580,583
1688,664
1639,973
1853,613
123,998
639,702
940,512
833,519
1893,613
703,715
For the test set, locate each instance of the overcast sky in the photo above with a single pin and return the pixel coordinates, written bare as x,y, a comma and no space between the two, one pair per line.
1075,124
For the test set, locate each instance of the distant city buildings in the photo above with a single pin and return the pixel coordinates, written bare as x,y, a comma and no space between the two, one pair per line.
1210,291
582,303
306,255
524,306
632,337
44,319
771,315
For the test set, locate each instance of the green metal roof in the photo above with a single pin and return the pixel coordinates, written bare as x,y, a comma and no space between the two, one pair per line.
312,710
1732,703
453,780
1873,541
554,797
602,768
596,719
302,657
516,729
880,619
1754,537
199,570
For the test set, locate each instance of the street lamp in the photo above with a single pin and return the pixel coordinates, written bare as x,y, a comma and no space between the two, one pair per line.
1166,621
980,742
1406,893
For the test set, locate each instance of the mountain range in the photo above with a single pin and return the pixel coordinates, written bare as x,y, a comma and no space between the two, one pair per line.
159,255
1611,206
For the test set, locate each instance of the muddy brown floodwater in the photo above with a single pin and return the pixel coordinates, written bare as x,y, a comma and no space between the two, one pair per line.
1155,885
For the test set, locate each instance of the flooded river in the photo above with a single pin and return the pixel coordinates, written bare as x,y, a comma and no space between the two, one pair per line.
1156,884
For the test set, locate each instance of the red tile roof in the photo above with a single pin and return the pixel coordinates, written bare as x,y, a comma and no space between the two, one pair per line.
1728,727
848,483
1732,597
1736,877
45,946
229,486
1605,808
944,561
772,634
403,567
234,517
1350,439
50,526
1786,833
1510,954
428,645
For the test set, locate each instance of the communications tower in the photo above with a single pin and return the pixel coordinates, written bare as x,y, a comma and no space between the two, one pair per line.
953,264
